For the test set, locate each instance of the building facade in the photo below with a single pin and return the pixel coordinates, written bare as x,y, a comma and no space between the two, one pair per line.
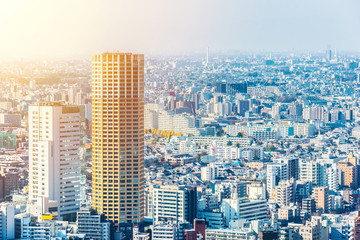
118,136
54,159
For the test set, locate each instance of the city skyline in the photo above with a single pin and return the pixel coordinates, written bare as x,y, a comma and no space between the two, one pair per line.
63,30
191,120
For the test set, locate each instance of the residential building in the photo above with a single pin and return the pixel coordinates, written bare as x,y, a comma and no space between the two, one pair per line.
174,203
92,224
321,197
118,137
54,157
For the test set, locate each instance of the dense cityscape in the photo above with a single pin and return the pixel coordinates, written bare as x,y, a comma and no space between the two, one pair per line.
205,146
179,120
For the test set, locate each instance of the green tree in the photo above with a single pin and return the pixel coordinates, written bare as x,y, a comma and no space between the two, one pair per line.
240,134
220,132
270,147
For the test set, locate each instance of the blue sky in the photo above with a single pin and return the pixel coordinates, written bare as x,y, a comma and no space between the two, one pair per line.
73,29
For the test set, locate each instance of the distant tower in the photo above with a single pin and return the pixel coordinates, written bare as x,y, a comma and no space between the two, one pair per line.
207,56
329,55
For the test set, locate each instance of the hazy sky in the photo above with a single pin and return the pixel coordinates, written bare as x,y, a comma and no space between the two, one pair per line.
79,28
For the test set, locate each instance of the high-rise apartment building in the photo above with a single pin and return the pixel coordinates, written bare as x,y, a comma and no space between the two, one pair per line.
293,166
321,197
310,171
54,159
118,137
174,203
348,172
275,172
296,109
285,193
92,224
7,222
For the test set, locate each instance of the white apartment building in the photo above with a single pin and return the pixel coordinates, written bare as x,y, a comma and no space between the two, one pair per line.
183,122
222,108
54,160
187,146
7,222
93,225
243,208
304,129
210,172
172,203
164,232
310,172
275,172
272,131
222,141
332,178
231,234
248,130
151,119
164,120
233,153
285,193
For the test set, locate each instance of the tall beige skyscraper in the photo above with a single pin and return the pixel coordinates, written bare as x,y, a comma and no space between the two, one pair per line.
118,136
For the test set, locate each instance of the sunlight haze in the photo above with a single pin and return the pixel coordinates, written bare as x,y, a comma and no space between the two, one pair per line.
73,29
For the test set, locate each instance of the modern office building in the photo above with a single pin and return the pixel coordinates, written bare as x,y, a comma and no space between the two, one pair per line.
231,88
92,224
174,203
118,137
242,106
54,159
